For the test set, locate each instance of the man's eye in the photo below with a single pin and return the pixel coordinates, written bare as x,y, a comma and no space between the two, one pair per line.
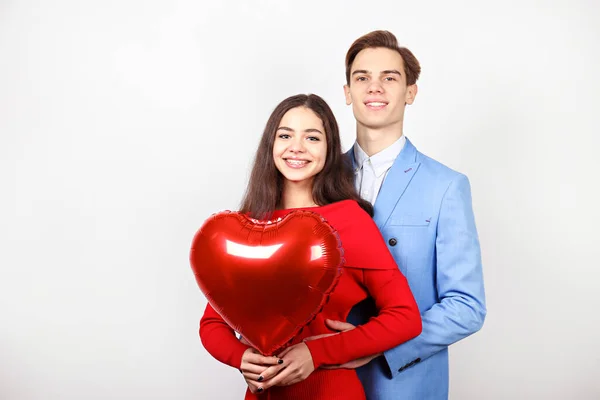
390,78
361,78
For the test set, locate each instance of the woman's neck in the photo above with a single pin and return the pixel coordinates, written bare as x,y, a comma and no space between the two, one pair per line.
297,195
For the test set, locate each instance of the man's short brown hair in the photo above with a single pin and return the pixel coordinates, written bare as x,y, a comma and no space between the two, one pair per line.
387,40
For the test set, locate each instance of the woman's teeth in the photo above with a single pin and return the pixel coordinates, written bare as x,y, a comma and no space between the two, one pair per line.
297,162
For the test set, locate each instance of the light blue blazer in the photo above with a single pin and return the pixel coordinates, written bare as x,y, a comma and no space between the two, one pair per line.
425,215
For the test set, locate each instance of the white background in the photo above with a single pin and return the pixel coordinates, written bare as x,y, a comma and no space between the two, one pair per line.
124,124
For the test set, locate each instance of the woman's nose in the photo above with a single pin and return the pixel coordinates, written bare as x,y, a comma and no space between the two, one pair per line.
297,146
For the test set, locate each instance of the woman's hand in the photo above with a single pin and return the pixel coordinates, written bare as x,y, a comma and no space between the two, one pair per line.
253,367
297,366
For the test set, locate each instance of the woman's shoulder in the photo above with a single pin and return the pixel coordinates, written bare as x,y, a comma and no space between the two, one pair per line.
349,205
346,214
364,246
341,214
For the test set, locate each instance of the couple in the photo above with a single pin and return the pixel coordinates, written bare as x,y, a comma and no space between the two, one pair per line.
412,283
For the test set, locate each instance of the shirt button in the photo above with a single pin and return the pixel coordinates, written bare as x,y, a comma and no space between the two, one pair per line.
392,241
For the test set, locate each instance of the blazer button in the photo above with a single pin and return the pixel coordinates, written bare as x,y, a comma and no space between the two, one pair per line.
392,241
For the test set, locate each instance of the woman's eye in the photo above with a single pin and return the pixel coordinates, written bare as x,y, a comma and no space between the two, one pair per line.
313,138
284,136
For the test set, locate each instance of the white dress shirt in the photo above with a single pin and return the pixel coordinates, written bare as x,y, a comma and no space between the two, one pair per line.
370,172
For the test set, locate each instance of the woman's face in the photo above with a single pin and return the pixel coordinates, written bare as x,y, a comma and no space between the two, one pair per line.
300,147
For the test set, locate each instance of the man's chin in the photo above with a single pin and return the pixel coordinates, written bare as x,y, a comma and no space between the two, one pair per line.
375,124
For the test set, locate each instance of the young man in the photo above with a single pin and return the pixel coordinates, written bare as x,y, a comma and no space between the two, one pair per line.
423,209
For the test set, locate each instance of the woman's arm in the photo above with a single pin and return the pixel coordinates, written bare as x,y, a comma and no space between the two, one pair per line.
398,321
219,339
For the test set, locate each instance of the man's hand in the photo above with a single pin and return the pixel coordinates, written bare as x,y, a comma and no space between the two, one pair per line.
297,366
341,326
253,369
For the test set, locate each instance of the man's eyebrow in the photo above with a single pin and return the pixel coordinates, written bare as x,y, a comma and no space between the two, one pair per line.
386,72
361,71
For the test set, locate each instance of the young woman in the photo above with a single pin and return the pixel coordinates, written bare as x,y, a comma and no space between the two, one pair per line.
299,165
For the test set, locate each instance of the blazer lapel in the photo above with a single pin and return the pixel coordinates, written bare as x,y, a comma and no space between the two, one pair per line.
395,183
350,156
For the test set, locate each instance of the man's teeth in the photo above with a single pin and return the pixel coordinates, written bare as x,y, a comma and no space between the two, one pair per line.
376,104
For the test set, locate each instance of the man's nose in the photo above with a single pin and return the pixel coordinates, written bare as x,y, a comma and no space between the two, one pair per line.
375,87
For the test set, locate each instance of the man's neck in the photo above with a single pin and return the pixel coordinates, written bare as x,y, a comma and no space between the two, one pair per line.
372,141
297,195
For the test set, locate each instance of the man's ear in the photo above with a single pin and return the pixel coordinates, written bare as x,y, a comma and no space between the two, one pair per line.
348,95
411,93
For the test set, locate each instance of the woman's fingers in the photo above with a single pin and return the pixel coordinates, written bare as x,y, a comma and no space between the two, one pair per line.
256,358
276,381
251,376
298,364
252,385
253,368
258,369
271,371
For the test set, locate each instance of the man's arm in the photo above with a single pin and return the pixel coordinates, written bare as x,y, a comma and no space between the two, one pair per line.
461,310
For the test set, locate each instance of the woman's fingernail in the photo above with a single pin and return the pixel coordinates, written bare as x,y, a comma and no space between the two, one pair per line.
280,361
260,390
260,378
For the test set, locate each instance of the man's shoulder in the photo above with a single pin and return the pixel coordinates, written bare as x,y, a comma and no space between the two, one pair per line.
436,170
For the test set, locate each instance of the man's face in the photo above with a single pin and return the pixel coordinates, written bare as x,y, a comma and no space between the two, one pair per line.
377,89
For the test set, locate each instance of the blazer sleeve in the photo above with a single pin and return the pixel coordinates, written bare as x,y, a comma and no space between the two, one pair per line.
461,308
219,339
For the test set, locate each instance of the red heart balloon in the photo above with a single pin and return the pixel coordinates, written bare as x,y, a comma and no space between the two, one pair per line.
267,279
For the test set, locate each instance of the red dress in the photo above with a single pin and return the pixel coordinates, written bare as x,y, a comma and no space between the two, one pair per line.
370,270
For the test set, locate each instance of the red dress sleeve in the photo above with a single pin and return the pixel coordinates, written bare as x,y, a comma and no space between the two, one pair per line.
219,339
398,319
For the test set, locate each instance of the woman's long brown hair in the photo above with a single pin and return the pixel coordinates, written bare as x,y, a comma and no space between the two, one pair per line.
334,183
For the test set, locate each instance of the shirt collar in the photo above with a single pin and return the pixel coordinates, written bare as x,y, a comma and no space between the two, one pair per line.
381,161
